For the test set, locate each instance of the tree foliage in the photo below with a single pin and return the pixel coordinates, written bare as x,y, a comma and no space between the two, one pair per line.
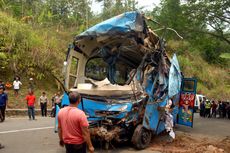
204,23
215,17
27,52
112,8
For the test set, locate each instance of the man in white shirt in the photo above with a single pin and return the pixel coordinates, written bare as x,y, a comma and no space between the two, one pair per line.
17,83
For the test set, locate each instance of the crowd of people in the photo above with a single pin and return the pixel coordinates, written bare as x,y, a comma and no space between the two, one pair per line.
72,122
214,109
30,98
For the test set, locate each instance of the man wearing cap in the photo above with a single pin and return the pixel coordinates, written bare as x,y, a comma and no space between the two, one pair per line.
3,102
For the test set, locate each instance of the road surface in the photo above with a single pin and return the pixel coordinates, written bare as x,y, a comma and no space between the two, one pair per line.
19,135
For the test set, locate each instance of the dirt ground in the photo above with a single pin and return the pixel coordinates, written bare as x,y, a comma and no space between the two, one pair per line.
185,143
209,135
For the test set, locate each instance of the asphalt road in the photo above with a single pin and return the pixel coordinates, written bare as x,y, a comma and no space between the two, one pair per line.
19,135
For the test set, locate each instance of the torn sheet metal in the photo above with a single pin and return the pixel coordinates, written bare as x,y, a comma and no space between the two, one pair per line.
152,119
174,77
124,23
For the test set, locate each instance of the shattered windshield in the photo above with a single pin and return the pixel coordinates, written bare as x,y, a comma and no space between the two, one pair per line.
98,69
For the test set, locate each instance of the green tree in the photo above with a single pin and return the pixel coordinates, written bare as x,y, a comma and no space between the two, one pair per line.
27,52
113,8
215,16
170,14
107,6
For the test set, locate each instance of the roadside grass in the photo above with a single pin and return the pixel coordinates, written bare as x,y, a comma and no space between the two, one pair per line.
213,81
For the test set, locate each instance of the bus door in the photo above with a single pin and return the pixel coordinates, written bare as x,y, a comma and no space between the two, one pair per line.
187,101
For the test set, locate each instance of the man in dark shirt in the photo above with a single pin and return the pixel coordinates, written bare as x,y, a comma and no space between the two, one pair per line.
214,106
202,108
3,102
220,109
228,110
224,109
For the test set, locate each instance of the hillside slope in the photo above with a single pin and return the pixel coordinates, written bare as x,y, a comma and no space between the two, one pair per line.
213,80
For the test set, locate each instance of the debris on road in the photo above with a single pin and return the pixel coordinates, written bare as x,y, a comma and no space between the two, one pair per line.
187,143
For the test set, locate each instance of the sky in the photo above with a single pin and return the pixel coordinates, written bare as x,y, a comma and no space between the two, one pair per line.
147,4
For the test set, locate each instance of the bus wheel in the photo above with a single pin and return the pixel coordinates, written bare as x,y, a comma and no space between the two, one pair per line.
141,137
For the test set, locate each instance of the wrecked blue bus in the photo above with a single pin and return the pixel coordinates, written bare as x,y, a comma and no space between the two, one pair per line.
125,78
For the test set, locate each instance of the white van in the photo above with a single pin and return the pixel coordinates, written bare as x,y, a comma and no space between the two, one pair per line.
198,100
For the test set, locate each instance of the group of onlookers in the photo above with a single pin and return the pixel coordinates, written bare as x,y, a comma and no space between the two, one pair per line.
213,108
43,102
30,99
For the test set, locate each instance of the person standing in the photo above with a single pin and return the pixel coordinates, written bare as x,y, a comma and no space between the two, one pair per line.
31,84
207,109
73,127
57,101
213,106
17,83
228,110
3,103
202,108
43,100
52,114
220,109
224,109
30,98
